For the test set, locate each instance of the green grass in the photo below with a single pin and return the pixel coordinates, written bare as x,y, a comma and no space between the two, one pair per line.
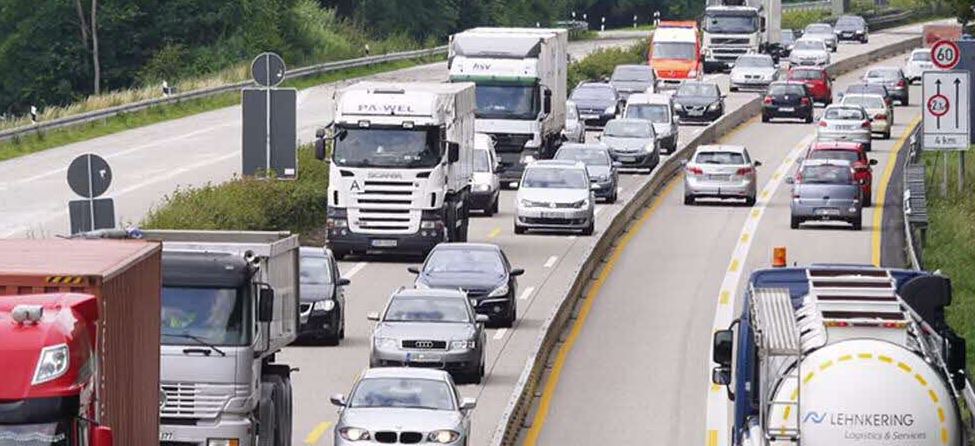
950,245
44,140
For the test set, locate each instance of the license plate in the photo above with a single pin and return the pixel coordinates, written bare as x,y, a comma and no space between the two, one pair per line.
424,357
382,243
628,159
787,109
827,211
551,215
845,127
719,177
695,112
166,436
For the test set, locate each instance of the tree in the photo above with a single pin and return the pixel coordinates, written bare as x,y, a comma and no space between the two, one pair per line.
94,47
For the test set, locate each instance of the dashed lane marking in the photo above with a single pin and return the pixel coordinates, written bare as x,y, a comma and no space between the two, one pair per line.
551,261
527,293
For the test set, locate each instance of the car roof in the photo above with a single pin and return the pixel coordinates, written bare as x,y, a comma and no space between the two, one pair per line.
565,164
842,105
836,145
467,245
825,162
404,372
787,82
920,50
857,95
818,24
583,146
594,84
720,148
311,251
431,292
649,98
810,39
640,121
633,66
883,68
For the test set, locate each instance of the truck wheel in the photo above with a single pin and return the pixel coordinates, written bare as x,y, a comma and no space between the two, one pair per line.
282,398
689,200
266,413
519,229
750,201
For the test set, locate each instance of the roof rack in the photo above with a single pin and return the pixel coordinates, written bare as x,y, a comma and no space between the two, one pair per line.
846,300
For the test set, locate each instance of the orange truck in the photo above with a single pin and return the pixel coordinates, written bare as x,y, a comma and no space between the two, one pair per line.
941,31
675,52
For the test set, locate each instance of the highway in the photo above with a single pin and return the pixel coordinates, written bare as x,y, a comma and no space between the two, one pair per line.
657,346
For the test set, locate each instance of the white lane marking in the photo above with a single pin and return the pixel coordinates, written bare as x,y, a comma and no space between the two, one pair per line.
572,237
499,335
527,293
355,269
551,261
717,414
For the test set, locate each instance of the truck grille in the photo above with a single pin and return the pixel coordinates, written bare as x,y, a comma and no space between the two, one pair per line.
504,142
189,400
425,345
729,41
383,207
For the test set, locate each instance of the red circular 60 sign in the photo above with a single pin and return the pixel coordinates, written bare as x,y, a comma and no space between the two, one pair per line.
945,54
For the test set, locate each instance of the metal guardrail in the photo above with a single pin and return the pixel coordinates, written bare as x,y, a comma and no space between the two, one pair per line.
808,6
915,202
296,73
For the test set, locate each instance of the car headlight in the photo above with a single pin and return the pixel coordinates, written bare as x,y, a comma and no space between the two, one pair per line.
463,345
714,106
324,305
52,364
499,291
482,187
527,159
859,31
581,203
678,106
648,148
444,436
611,109
384,342
354,434
529,204
222,442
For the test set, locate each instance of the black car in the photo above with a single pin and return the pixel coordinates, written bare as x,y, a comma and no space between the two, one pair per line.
853,28
597,103
481,270
322,291
698,101
787,100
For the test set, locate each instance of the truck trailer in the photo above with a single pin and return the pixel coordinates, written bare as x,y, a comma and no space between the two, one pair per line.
521,76
78,336
732,28
834,355
401,167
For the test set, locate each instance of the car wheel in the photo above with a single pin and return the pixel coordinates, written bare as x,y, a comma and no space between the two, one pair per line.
750,201
765,118
857,223
733,88
496,207
689,200
867,201
519,229
342,325
906,101
332,339
887,134
611,199
339,254
794,222
809,117
589,229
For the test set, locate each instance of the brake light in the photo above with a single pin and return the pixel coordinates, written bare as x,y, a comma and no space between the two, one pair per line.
767,100
882,117
823,124
745,171
865,124
901,83
804,101
695,171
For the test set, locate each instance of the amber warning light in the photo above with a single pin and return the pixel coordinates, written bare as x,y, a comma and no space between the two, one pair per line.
778,257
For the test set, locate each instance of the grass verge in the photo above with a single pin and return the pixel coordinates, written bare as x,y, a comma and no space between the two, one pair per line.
950,244
44,140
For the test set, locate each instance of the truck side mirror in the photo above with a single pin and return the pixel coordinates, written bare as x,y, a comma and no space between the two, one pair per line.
547,101
102,436
320,132
265,310
320,149
722,347
453,152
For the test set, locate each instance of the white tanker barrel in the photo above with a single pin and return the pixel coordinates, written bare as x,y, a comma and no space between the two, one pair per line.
868,392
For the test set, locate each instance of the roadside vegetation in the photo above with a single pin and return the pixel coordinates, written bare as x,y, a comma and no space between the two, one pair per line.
600,63
950,245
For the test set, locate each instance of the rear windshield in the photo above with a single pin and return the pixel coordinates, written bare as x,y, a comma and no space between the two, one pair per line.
806,74
632,74
592,157
819,28
867,88
848,113
890,74
845,155
826,174
555,178
778,90
921,56
593,94
657,113
870,102
720,158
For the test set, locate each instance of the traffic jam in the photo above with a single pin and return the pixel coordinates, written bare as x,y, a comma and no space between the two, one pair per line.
416,169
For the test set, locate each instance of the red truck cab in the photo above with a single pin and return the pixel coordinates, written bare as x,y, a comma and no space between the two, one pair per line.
855,154
818,81
675,53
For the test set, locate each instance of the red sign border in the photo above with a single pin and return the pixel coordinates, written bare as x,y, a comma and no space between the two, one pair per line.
934,59
927,105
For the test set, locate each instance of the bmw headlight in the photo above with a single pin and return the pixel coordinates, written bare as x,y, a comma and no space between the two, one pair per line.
499,291
581,203
611,109
677,106
324,305
444,436
463,345
52,364
384,342
354,434
714,106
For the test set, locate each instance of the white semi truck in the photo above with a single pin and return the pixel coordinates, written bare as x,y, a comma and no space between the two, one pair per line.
401,166
735,27
520,75
836,355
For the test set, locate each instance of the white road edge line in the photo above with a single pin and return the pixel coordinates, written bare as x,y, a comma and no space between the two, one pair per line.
354,270
499,335
527,293
551,261
717,407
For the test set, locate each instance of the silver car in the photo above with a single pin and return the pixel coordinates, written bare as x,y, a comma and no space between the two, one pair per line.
431,328
555,195
658,109
485,183
809,52
633,143
825,190
824,32
629,79
599,165
893,79
845,123
720,171
753,71
880,111
404,406
575,129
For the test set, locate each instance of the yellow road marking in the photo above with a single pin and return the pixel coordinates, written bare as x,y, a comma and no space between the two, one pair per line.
735,264
494,233
878,204
560,358
316,434
724,297
712,437
744,238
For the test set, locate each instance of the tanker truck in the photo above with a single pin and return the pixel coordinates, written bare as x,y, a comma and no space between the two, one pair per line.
834,355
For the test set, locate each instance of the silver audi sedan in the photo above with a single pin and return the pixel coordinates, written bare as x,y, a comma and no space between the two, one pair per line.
720,171
403,406
430,328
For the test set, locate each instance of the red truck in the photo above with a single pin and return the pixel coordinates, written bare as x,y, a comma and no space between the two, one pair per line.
941,31
79,338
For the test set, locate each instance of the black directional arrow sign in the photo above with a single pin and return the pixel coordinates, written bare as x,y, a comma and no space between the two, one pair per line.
957,83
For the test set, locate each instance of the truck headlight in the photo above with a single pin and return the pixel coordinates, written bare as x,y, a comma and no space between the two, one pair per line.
463,345
443,436
52,364
333,223
223,442
324,305
384,342
499,291
354,434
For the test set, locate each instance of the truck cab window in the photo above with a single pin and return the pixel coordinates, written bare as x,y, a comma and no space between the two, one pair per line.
731,23
214,315
387,147
507,101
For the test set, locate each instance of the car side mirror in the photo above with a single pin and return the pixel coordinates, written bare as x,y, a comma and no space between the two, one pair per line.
547,102
265,311
482,319
102,436
790,180
453,152
723,344
338,400
343,282
873,162
516,272
723,95
413,269
757,163
468,403
373,316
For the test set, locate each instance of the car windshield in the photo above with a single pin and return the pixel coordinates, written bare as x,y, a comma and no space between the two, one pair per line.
921,56
719,158
819,28
693,89
593,94
810,45
481,161
45,434
845,155
844,113
216,316
387,147
867,89
754,62
629,129
675,50
884,74
826,174
413,393
507,101
805,75
314,270
555,178
848,23
427,309
784,89
591,157
724,23
656,113
455,260
868,102
632,74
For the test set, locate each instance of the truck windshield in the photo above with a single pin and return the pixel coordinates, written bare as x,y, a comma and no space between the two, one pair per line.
46,434
217,316
387,147
723,23
674,50
507,101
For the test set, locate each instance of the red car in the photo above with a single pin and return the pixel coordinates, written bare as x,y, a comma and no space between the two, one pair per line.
818,81
848,151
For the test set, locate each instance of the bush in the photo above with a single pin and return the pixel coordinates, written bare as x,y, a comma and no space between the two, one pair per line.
249,203
600,63
799,19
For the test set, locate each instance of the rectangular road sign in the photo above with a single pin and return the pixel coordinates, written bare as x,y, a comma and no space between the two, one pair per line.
89,215
270,141
945,108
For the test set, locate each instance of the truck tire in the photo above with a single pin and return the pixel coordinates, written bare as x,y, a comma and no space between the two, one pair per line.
279,378
266,412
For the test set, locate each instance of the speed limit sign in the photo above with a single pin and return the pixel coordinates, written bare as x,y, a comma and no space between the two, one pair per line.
945,54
